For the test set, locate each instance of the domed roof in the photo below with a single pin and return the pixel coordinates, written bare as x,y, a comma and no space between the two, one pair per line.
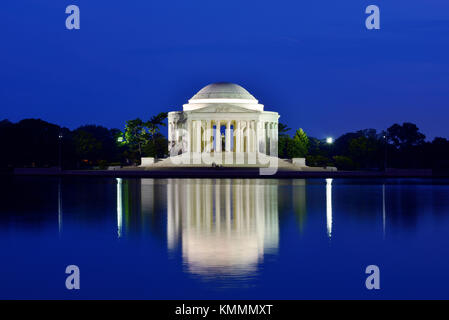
223,90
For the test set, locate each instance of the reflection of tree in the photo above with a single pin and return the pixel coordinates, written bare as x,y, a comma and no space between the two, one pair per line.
299,201
139,209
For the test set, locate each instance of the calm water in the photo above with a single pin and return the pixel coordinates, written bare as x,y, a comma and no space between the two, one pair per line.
223,238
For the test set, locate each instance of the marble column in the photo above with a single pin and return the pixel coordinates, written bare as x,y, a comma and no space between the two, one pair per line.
253,136
170,139
207,137
228,137
258,136
248,137
176,132
272,139
189,136
198,136
217,136
275,133
238,134
242,136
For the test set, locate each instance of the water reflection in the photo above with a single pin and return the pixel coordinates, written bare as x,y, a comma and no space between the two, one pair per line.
222,238
384,211
119,207
225,226
329,207
221,226
59,206
193,236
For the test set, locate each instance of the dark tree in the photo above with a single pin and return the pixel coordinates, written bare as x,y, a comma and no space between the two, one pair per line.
405,136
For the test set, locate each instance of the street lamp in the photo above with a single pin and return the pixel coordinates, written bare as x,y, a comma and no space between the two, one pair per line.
60,136
385,151
329,140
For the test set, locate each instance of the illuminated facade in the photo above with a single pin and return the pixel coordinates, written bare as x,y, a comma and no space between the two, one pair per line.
225,120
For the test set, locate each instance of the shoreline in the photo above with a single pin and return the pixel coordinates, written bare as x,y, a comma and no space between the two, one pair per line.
247,173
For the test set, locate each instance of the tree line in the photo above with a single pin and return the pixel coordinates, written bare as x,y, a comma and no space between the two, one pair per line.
37,143
400,146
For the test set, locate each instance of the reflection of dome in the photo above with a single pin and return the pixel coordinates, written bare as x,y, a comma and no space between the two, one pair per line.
223,90
222,253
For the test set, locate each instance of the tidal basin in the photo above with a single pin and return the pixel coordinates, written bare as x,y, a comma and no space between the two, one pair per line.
223,238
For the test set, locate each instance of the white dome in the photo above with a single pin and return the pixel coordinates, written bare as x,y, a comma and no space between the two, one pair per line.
222,95
223,90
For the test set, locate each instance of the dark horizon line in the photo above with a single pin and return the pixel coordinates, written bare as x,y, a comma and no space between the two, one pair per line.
426,138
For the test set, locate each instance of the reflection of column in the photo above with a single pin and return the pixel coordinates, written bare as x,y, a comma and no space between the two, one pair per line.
329,207
217,204
177,197
170,218
188,207
247,197
219,238
259,214
271,239
228,205
119,207
199,204
207,192
237,203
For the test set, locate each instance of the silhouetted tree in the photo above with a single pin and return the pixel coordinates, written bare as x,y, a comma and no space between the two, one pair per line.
405,136
283,129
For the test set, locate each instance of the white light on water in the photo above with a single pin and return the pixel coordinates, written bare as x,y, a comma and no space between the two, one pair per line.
329,206
119,207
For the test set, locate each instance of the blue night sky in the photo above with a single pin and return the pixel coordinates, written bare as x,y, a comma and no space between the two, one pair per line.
312,61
